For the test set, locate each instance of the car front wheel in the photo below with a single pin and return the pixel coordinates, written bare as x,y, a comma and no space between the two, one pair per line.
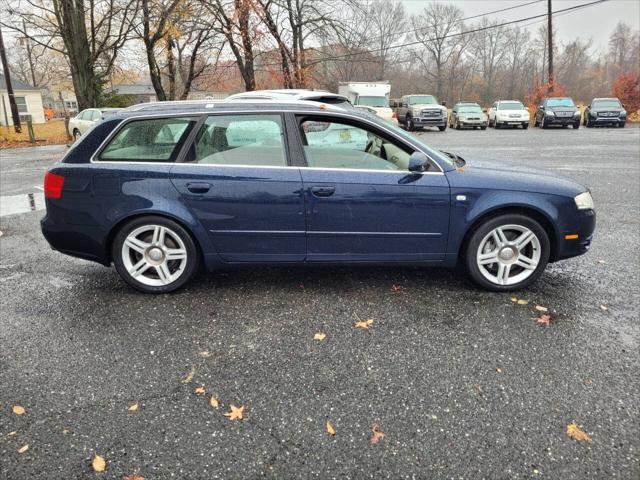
154,254
507,253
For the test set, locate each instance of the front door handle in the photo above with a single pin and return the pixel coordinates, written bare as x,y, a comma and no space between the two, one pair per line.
322,191
198,187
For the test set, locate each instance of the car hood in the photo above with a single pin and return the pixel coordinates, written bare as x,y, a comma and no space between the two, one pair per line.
433,106
604,109
563,109
499,176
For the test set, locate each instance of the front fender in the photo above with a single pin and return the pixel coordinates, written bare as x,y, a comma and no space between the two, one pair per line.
465,214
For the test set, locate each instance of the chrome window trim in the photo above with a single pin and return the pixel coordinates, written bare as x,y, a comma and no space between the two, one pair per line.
198,113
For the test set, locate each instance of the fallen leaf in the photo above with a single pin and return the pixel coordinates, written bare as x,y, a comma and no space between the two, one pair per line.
604,308
514,299
133,408
11,434
213,402
523,302
397,289
19,410
601,261
133,477
364,323
545,320
540,308
319,336
65,431
98,463
330,430
235,413
189,376
576,434
205,354
200,390
23,448
499,370
376,435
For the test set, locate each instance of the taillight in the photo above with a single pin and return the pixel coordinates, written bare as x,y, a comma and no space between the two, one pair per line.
394,115
53,185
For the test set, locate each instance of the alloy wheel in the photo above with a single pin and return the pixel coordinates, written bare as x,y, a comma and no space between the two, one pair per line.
154,255
508,254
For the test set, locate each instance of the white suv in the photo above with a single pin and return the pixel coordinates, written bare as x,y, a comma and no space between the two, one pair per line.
508,113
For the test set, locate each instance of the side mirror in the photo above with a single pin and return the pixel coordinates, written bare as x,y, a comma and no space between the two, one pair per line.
623,106
418,162
589,106
484,110
541,107
526,108
444,104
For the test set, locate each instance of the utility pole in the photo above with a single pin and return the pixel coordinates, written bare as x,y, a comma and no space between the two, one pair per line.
550,45
7,78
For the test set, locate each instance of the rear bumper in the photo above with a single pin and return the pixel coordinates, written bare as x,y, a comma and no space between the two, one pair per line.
81,242
583,225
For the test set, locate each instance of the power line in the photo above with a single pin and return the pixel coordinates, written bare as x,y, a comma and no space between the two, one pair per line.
457,34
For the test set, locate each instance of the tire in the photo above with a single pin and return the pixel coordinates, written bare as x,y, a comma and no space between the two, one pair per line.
534,253
76,134
525,126
621,124
409,124
484,127
543,124
576,125
457,125
154,274
442,128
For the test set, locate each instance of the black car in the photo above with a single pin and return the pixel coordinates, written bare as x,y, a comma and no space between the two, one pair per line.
605,111
557,111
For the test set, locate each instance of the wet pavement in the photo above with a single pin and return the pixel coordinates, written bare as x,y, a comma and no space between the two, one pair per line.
464,383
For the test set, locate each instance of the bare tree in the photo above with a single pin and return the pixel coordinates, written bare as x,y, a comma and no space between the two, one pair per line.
489,48
90,33
436,30
389,23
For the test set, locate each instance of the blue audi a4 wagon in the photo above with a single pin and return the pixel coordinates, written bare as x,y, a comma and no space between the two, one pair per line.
162,189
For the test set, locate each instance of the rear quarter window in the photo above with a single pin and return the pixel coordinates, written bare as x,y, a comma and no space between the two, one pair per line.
149,140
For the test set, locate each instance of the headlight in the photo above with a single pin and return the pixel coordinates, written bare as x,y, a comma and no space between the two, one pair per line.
550,113
576,114
584,201
623,113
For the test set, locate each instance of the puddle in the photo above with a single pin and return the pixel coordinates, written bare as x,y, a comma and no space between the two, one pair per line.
16,204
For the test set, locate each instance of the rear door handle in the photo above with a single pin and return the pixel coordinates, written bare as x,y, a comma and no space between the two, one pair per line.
198,187
322,191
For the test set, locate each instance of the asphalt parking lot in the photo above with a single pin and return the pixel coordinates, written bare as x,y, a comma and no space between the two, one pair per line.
464,383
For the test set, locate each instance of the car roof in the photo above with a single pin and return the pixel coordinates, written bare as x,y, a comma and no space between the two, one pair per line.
467,103
288,94
199,107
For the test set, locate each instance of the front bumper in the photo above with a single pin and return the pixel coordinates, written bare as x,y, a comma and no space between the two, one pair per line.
583,224
561,120
471,123
429,121
607,120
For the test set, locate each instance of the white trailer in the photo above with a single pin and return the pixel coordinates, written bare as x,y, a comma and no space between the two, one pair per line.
370,96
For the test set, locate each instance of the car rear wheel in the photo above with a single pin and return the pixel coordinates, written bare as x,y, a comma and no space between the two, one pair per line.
409,124
507,253
76,134
442,128
154,254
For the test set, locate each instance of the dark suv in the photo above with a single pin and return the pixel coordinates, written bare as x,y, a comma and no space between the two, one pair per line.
605,111
557,111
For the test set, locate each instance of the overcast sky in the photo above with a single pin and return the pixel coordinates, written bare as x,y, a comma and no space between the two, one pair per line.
595,22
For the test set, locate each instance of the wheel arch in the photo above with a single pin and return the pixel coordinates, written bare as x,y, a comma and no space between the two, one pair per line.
536,214
115,228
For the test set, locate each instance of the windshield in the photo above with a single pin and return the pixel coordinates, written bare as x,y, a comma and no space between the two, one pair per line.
373,101
511,106
606,104
422,100
560,102
470,109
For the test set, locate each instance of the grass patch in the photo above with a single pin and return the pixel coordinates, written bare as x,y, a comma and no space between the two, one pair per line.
50,133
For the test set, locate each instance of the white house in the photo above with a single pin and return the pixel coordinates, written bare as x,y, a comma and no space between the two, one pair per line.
28,99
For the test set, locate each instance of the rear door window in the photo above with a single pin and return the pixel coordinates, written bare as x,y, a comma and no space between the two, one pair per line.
240,140
151,140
